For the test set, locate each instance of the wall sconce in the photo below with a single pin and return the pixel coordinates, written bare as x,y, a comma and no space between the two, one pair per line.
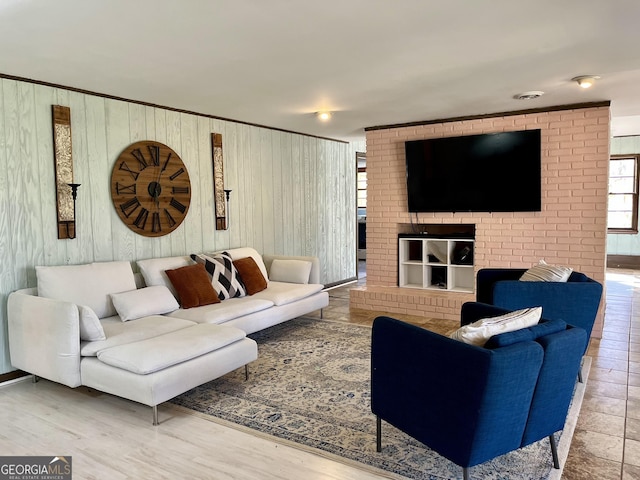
586,81
227,192
218,183
74,195
63,167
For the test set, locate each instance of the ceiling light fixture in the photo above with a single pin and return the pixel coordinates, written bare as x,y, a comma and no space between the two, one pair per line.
324,116
529,95
586,81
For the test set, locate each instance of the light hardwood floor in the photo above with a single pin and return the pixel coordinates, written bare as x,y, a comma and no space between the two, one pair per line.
111,438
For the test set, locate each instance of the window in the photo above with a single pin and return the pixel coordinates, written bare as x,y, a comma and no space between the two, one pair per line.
623,194
361,186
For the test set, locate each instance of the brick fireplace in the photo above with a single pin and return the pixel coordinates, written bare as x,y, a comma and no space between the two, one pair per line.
570,230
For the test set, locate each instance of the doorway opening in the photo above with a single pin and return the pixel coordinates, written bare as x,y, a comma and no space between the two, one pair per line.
361,215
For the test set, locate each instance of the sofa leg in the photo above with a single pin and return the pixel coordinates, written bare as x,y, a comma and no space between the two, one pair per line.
321,314
554,451
465,473
246,372
378,434
155,415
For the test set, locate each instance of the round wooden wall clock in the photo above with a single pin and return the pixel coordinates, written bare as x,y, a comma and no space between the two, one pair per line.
150,188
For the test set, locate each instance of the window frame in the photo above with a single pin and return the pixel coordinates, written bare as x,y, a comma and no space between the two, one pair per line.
358,189
634,214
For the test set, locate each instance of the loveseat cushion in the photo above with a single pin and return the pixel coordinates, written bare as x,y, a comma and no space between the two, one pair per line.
224,311
153,270
89,284
120,333
281,293
158,353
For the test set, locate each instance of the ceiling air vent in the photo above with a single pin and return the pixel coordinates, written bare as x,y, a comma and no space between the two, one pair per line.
529,95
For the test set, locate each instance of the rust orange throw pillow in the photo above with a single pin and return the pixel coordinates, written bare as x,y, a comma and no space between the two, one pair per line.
250,275
193,286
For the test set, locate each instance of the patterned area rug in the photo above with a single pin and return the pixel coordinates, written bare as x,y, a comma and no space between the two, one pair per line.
310,388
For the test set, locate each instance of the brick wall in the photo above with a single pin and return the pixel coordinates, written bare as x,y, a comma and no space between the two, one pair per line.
570,229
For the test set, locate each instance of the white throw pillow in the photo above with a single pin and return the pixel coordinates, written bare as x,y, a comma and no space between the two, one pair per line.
290,271
90,326
144,302
88,284
477,333
543,272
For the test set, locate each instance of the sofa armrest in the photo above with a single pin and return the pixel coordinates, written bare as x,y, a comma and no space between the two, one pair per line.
314,274
562,359
44,337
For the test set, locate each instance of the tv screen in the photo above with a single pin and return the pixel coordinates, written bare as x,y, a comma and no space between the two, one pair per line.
495,172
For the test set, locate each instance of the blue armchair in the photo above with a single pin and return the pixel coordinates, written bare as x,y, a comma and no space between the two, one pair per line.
576,301
471,404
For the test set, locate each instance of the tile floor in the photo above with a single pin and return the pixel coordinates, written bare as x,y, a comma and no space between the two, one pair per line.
606,443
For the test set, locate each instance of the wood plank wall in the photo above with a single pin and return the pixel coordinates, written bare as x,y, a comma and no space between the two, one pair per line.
292,194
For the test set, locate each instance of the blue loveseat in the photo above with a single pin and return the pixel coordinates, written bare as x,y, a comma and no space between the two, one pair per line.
575,301
468,403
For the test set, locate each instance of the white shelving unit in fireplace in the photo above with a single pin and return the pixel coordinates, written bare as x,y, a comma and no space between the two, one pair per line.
436,263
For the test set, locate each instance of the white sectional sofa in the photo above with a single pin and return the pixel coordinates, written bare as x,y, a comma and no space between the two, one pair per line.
103,326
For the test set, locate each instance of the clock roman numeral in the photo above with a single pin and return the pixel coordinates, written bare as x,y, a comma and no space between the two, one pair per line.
166,162
137,153
177,205
120,189
177,174
130,206
155,223
125,167
154,151
170,220
180,190
141,219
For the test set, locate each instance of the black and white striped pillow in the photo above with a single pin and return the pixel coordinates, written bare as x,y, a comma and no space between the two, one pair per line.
223,274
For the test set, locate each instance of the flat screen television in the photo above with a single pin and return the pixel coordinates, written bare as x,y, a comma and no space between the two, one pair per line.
495,172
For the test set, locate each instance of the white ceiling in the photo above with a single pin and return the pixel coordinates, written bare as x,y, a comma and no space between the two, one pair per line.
372,62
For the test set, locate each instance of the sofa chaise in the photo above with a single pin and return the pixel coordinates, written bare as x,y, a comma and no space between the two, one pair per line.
105,327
